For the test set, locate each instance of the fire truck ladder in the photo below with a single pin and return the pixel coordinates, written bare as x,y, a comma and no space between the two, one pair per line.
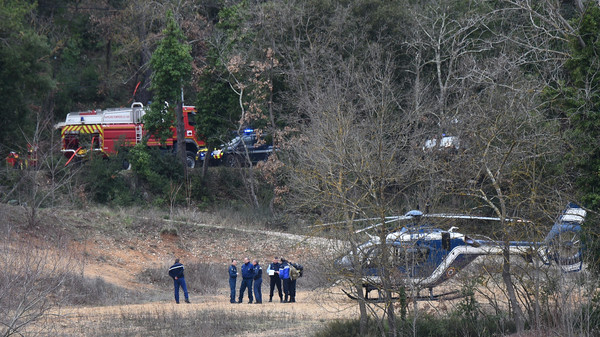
138,133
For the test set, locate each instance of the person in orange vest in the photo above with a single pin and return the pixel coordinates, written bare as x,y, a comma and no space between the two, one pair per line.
31,155
12,159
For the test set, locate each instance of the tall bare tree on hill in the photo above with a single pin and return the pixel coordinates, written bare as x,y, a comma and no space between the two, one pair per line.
354,158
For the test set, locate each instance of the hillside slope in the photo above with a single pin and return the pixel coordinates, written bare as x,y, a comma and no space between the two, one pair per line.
131,250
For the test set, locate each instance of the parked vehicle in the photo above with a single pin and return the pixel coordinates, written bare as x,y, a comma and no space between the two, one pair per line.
247,147
100,131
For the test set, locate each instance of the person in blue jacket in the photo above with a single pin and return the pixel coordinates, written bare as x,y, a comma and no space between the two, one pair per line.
247,277
232,279
257,282
284,275
176,272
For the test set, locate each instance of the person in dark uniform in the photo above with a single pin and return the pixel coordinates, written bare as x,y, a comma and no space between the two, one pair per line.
274,280
257,282
232,279
176,272
247,276
284,275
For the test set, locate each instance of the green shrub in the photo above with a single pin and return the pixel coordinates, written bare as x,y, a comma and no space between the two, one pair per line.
139,157
426,326
224,183
156,167
348,328
152,174
104,182
201,189
169,231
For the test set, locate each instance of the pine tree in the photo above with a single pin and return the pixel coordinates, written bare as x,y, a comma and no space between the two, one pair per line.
171,65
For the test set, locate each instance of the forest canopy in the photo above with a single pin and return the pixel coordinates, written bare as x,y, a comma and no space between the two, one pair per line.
501,76
371,108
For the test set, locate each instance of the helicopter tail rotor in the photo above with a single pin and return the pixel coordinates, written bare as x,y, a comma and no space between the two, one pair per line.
563,243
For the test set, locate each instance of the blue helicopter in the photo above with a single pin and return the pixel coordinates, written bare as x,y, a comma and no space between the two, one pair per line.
425,256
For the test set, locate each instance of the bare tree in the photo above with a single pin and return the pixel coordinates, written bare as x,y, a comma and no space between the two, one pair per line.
42,173
511,148
355,159
29,284
249,74
447,40
360,151
507,146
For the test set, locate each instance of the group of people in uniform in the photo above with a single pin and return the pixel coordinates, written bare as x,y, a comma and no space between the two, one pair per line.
279,273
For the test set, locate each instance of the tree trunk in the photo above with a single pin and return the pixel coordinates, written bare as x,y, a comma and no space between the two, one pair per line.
362,308
510,289
181,151
391,314
142,94
386,281
251,187
537,295
205,163
357,281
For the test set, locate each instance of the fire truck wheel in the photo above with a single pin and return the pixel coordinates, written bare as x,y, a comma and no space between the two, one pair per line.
190,159
126,164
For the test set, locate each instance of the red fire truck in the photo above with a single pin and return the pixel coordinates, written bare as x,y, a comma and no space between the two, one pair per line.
101,131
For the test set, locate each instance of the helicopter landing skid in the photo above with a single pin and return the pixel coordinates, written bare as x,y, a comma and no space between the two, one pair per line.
431,297
451,295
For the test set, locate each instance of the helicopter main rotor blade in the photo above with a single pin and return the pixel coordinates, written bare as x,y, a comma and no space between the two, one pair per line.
470,217
361,220
410,216
392,219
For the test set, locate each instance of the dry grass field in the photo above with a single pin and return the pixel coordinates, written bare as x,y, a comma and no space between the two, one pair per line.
122,288
103,272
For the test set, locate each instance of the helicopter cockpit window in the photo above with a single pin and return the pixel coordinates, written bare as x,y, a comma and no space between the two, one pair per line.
402,256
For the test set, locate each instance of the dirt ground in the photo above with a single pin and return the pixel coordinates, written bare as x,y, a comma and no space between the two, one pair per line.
107,249
309,313
113,262
117,246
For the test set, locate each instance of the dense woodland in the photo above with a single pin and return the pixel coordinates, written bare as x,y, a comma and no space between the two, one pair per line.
352,91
